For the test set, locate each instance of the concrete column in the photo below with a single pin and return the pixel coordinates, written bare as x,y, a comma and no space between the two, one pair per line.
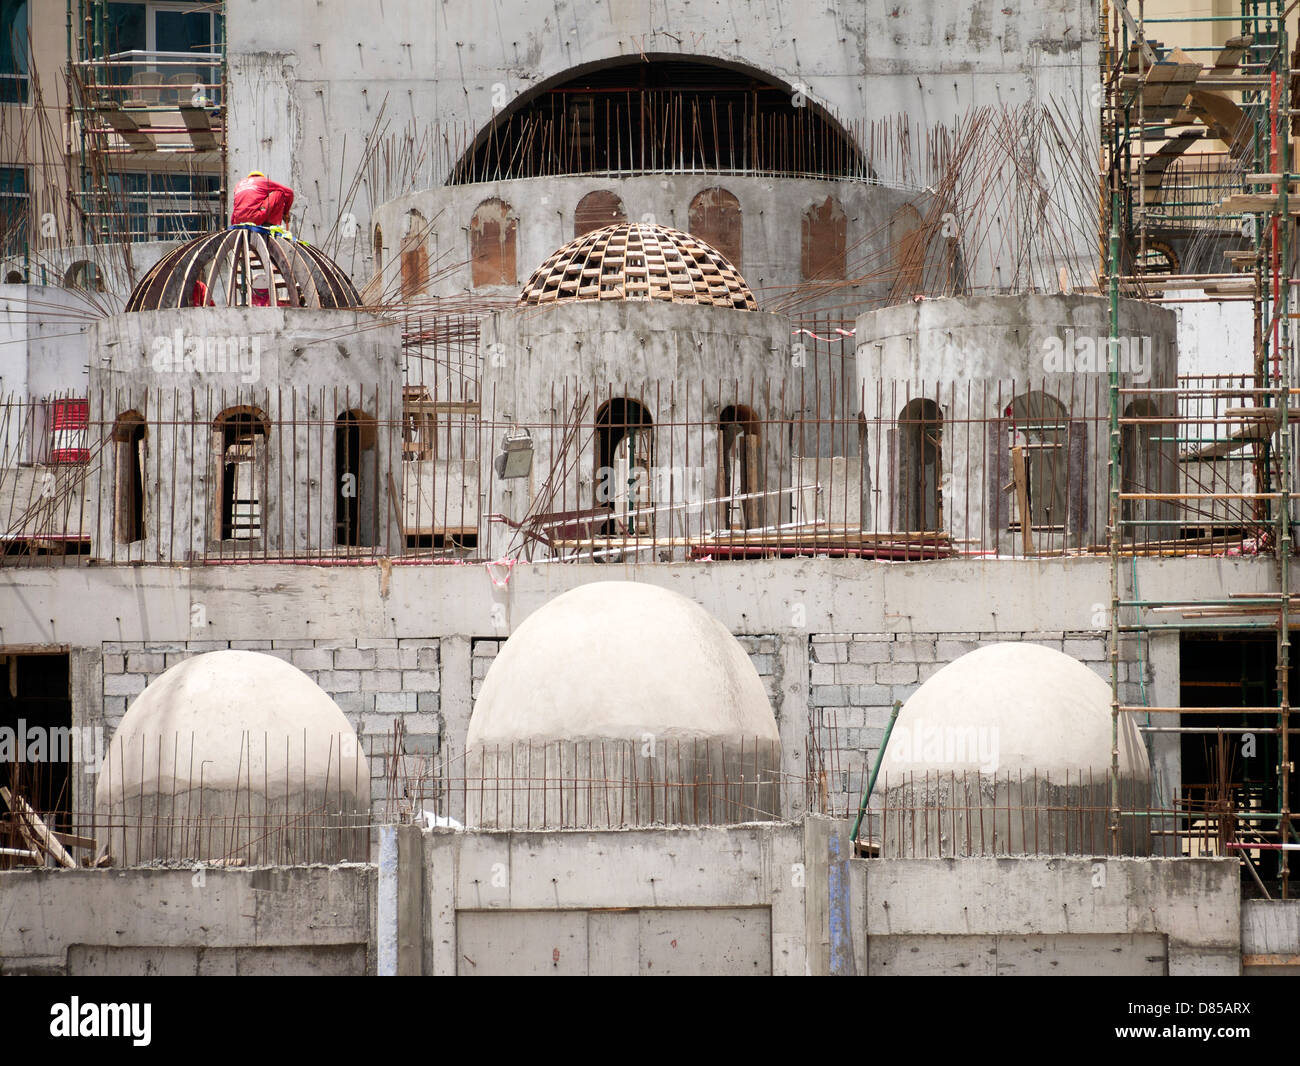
410,901
86,682
792,718
386,907
828,925
1165,748
457,681
399,932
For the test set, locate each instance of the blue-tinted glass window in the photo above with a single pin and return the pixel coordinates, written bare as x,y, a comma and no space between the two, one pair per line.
13,51
13,210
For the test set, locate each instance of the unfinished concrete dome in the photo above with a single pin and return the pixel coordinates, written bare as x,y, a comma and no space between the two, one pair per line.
1010,729
635,261
638,706
234,755
234,264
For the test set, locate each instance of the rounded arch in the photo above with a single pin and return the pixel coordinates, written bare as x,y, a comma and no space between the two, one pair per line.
716,218
919,467
241,417
1040,427
240,437
355,470
84,275
740,468
130,432
599,208
414,255
603,117
907,249
824,242
127,425
1140,464
624,459
492,245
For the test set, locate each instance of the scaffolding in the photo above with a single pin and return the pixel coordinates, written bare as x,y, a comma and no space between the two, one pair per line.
146,128
1197,163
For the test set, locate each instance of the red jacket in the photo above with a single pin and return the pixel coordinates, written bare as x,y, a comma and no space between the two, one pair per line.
262,202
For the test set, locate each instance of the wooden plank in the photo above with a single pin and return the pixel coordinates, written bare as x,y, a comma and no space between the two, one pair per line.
1233,49
124,124
1021,477
71,840
24,812
198,124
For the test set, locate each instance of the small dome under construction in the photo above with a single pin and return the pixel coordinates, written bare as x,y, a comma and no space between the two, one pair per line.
244,266
633,261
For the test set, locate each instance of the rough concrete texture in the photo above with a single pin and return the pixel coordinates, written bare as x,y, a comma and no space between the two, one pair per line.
889,609
772,209
538,360
1101,916
1270,937
299,920
189,365
292,104
229,751
982,352
732,899
638,672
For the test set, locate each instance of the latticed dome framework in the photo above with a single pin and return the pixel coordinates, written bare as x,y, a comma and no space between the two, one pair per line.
234,262
632,261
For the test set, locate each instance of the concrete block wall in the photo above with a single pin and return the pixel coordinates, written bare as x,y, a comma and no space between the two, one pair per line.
854,679
376,681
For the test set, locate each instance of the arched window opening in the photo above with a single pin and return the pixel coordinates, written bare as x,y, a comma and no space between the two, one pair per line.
1038,436
824,243
128,486
740,475
354,461
414,255
715,218
1139,458
661,114
624,454
240,439
920,467
597,210
378,246
907,250
84,275
492,244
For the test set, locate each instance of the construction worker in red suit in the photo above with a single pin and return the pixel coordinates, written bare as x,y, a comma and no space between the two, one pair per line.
259,201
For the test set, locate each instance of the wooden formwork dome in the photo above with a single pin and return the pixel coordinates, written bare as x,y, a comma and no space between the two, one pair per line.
234,262
634,261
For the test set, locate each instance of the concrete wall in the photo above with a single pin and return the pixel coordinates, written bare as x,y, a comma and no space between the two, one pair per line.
1112,917
811,619
300,82
772,208
1270,937
775,898
181,368
971,357
684,364
43,345
285,920
644,901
